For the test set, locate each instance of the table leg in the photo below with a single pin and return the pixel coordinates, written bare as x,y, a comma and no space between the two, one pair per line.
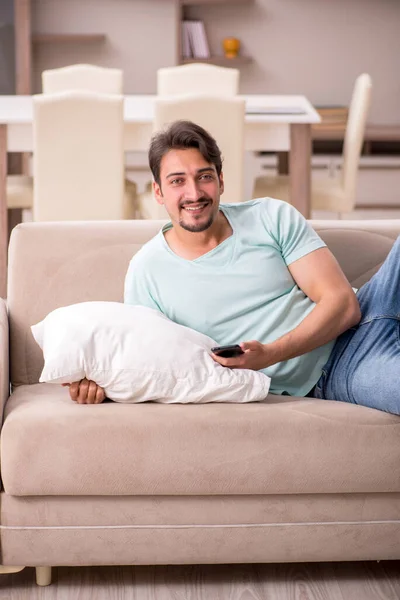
3,211
283,163
300,167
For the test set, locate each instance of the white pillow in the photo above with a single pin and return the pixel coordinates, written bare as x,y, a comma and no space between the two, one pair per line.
137,354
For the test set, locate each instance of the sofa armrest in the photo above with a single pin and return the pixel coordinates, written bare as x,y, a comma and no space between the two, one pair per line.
4,358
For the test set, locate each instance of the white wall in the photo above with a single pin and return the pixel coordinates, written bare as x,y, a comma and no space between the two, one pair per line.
312,47
315,47
6,11
141,37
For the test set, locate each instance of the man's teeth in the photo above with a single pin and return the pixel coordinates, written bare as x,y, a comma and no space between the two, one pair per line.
194,207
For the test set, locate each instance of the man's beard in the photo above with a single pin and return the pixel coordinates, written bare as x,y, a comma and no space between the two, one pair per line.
197,227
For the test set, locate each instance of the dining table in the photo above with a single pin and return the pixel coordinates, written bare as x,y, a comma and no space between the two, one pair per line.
273,123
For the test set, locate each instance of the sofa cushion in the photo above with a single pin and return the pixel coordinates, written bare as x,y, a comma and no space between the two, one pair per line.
52,446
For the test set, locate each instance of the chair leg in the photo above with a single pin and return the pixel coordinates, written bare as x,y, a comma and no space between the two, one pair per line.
4,570
43,576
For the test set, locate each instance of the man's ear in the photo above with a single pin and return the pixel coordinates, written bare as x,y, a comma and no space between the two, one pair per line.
158,193
221,183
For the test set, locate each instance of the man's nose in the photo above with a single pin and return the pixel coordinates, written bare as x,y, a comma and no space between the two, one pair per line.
193,191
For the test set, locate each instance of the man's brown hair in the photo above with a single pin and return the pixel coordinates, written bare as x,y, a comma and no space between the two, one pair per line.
182,135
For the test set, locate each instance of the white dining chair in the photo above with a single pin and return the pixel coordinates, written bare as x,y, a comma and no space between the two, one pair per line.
83,77
332,193
78,162
74,77
223,118
197,78
194,78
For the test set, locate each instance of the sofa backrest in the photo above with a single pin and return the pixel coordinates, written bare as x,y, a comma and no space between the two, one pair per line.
60,263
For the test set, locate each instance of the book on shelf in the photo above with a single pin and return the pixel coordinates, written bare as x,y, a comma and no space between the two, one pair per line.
186,45
194,40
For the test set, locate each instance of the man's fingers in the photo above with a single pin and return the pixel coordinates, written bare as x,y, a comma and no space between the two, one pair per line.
83,391
74,391
91,396
228,362
253,345
86,392
100,395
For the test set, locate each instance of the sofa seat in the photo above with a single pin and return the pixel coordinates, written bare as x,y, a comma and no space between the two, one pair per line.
52,446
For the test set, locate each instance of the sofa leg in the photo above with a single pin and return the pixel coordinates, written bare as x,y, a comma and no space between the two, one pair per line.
43,575
4,570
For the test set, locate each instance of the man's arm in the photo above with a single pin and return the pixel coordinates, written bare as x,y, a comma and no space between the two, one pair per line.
319,276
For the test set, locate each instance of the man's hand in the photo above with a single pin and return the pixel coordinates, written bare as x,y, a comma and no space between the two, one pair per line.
255,357
85,392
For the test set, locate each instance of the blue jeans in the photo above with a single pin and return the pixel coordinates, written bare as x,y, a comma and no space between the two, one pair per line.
364,365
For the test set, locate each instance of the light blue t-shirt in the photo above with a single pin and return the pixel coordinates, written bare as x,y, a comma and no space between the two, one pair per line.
241,290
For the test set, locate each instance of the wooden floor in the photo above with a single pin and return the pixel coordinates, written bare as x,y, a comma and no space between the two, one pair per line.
319,581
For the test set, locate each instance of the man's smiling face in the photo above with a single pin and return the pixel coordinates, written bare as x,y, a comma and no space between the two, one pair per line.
190,189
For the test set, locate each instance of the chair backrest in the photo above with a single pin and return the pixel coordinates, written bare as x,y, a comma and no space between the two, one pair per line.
223,118
197,78
354,135
82,77
78,163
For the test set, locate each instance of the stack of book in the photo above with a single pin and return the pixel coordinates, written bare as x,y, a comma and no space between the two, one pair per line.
333,118
194,40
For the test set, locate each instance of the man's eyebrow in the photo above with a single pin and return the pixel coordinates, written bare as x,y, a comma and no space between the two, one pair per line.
175,174
203,170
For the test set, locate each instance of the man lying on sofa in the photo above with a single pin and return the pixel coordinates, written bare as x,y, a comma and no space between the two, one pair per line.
257,274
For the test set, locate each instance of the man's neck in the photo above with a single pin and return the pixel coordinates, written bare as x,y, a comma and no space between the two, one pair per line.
191,245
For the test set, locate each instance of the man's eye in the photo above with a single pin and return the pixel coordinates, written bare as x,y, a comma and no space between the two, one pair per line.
206,176
176,181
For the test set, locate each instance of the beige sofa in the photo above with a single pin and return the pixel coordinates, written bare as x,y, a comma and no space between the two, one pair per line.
294,479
